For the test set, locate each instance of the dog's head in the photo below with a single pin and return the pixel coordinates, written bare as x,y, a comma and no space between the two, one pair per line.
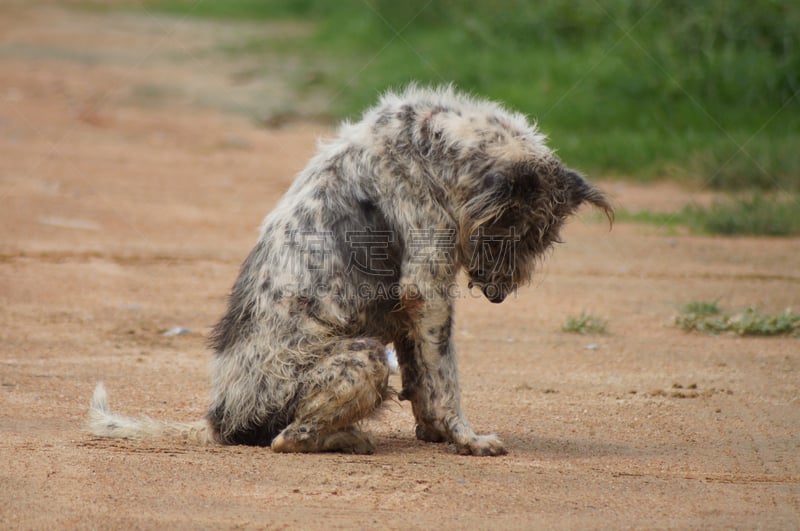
513,215
494,174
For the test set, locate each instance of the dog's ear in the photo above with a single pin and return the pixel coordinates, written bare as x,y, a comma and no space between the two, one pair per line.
581,191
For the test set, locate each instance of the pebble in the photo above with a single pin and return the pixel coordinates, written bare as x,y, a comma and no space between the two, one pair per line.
177,331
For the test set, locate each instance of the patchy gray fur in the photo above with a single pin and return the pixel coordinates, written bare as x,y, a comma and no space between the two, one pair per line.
432,182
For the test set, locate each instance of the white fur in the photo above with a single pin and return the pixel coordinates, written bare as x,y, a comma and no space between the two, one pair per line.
104,423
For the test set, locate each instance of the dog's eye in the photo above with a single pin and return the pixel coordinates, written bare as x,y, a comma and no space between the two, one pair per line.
493,180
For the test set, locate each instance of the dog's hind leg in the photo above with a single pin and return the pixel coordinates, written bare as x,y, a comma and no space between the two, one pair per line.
344,387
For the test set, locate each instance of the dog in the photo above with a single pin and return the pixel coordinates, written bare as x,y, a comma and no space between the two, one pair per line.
364,250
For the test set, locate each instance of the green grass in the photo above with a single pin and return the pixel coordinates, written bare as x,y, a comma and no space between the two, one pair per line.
697,90
706,317
755,215
584,324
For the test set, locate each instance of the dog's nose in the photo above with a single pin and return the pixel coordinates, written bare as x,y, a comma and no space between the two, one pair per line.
494,293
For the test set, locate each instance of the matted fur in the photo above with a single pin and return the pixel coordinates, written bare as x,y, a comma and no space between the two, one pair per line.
363,250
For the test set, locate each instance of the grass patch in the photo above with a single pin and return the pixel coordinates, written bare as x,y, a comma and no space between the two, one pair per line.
706,317
756,215
701,90
585,324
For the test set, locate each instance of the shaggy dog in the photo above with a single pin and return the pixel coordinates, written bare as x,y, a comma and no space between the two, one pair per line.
364,250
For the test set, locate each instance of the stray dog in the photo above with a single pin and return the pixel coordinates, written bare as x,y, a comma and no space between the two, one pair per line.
363,251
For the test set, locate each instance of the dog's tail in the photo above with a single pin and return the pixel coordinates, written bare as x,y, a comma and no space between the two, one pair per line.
104,423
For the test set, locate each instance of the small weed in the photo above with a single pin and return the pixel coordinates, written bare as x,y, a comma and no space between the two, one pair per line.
706,318
701,308
585,324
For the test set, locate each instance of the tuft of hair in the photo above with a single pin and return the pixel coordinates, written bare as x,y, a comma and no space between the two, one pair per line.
103,423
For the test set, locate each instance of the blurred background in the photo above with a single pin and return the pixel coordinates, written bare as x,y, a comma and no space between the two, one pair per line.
700,93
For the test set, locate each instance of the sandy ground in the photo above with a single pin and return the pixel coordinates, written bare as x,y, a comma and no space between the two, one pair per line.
122,216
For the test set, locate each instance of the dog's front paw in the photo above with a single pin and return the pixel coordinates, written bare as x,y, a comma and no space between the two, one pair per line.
482,445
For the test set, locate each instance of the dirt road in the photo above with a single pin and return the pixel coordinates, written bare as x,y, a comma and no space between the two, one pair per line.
130,191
